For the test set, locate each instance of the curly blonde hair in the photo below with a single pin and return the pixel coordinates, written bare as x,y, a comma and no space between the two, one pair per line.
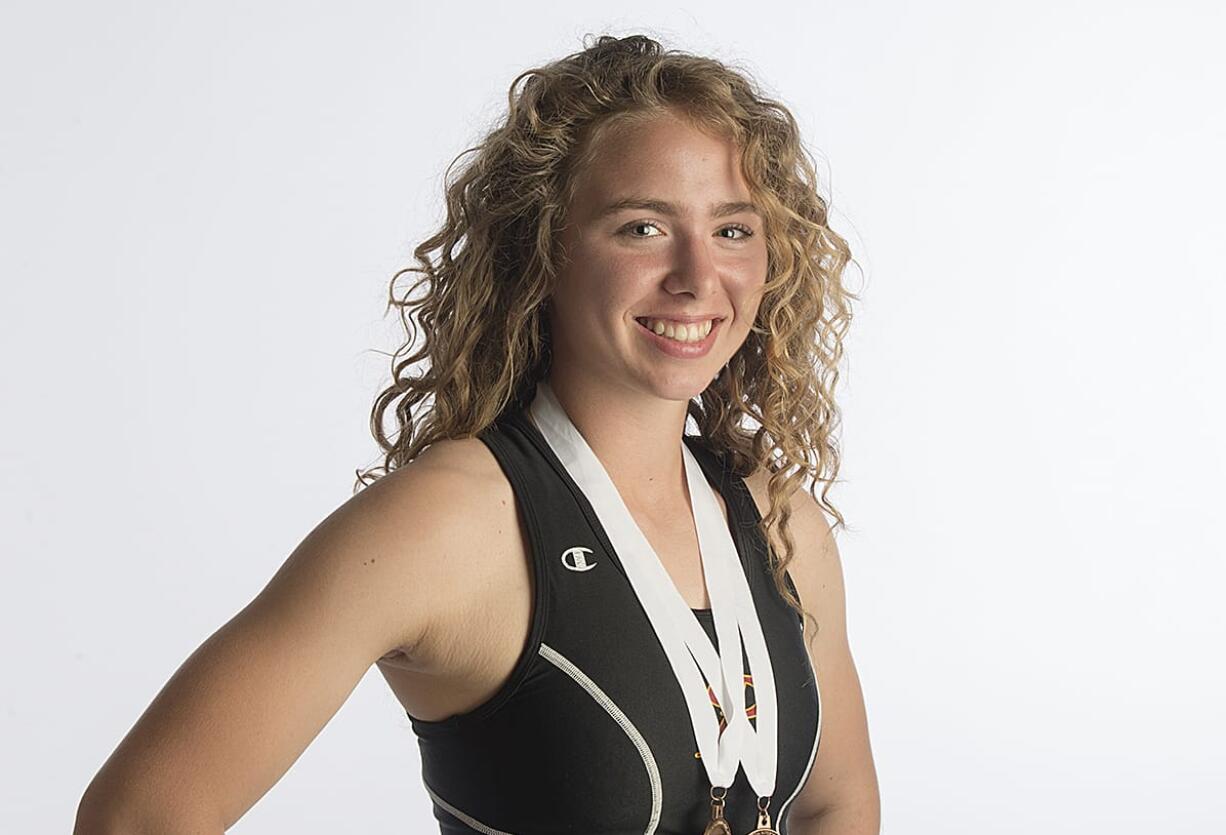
488,271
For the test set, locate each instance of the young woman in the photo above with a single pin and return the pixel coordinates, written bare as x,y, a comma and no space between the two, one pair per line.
573,598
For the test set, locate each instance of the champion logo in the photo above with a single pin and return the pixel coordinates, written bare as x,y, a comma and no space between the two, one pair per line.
576,559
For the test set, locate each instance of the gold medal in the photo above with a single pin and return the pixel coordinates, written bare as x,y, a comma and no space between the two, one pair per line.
764,820
718,825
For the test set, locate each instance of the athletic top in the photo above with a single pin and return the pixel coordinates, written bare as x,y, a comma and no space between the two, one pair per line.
590,733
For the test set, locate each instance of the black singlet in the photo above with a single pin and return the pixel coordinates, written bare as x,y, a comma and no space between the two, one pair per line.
590,733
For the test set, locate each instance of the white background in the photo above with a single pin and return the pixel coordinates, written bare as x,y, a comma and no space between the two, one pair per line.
201,207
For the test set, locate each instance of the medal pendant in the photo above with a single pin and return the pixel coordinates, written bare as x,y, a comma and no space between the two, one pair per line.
718,824
764,821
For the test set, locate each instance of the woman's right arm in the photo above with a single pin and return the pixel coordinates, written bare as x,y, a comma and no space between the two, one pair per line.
243,707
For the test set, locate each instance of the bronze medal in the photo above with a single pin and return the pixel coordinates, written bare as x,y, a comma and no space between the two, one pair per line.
764,820
718,825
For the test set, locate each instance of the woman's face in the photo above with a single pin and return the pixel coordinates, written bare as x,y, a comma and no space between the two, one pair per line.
661,226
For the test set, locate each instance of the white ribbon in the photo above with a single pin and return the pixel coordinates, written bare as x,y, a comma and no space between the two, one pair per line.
686,644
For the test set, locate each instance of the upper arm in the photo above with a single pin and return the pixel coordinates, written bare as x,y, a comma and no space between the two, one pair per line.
243,707
843,773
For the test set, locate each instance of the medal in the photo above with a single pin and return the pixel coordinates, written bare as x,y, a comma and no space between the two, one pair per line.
764,820
689,649
717,826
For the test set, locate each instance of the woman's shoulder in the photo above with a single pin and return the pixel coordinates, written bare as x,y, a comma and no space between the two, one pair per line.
464,525
454,491
413,530
448,469
807,516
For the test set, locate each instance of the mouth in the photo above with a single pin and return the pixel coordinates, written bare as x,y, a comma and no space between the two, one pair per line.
694,343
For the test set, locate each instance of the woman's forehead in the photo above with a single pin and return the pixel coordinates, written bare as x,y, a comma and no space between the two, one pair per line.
666,160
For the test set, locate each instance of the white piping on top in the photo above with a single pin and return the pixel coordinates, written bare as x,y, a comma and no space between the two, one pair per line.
649,761
468,819
812,754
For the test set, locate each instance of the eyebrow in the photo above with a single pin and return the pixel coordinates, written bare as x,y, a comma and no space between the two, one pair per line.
666,208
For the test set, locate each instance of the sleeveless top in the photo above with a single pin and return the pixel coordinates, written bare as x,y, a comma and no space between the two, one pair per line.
590,733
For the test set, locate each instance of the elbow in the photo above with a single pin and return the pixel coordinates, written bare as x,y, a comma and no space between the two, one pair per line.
99,816
99,813
858,813
103,812
853,818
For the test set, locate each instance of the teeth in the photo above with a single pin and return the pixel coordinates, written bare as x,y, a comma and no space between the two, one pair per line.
692,332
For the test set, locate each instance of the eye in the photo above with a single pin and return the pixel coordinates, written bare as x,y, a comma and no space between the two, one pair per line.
745,231
639,224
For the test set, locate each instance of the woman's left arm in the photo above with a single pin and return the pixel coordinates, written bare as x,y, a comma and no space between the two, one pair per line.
840,795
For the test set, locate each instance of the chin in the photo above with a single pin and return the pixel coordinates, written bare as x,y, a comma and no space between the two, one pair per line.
680,387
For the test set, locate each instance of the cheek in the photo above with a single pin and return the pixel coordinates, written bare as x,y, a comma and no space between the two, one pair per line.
747,270
619,279
748,285
747,299
758,266
583,276
591,290
589,257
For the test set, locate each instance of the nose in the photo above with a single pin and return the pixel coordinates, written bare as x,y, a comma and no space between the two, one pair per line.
694,269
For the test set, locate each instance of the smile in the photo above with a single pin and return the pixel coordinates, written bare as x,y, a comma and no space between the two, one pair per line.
682,340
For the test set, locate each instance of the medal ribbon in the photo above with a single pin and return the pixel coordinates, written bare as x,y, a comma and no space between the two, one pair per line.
687,646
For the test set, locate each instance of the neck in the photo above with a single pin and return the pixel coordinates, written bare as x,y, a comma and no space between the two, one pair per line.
636,436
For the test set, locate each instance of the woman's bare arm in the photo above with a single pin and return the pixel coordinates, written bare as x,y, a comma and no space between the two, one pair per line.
840,795
246,704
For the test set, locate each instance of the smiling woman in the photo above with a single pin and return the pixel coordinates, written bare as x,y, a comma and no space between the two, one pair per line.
592,619
686,271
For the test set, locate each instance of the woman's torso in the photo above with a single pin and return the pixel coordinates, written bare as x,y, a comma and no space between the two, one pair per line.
556,709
